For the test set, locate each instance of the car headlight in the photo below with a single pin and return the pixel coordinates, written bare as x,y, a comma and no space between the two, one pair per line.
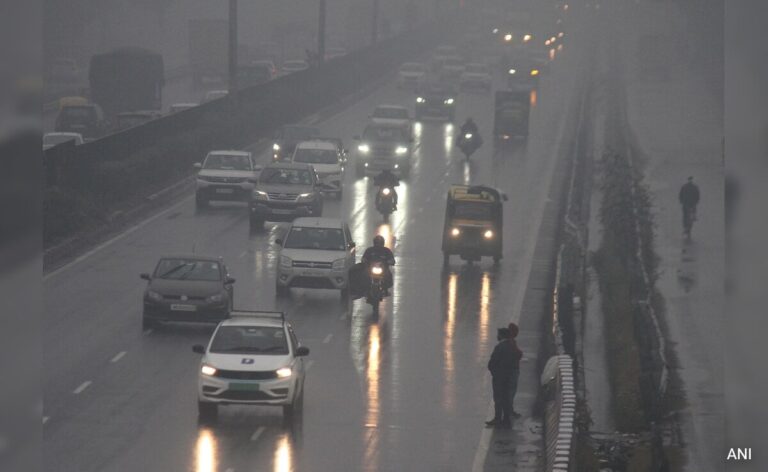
448,101
208,370
215,298
286,261
338,264
468,136
507,37
154,295
419,99
377,270
284,372
400,150
259,194
527,38
364,148
488,234
275,147
455,232
534,72
306,196
512,72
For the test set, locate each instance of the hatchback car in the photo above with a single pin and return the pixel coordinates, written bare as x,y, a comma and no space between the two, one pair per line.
225,175
327,161
316,253
411,75
253,358
54,139
188,288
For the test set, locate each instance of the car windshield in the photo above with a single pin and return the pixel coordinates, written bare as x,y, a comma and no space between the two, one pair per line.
316,156
324,239
250,340
477,69
473,211
391,112
412,67
227,162
286,176
384,134
54,139
78,113
188,269
299,132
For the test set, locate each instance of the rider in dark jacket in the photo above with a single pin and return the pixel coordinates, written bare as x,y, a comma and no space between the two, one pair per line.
380,253
689,198
386,179
469,126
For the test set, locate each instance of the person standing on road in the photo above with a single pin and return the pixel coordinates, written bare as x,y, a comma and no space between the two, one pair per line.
502,365
513,380
689,198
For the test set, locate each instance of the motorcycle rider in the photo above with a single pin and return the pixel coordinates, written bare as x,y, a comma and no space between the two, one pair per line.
386,179
380,253
469,126
689,197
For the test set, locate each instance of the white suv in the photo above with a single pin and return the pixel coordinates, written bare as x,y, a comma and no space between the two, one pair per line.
316,253
326,158
253,358
225,175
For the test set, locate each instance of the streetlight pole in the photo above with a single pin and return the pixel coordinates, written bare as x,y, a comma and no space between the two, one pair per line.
232,46
321,33
375,23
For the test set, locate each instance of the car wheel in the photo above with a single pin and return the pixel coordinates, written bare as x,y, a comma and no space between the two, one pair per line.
282,290
207,411
256,224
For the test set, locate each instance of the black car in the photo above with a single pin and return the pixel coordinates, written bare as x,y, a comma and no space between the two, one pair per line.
436,101
284,192
189,288
288,137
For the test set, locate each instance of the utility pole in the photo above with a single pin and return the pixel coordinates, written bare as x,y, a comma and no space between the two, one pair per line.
321,33
375,23
232,46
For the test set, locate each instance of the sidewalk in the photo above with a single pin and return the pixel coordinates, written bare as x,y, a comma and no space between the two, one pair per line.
677,129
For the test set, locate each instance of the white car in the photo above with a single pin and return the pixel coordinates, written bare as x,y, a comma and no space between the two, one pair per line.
316,253
177,107
392,115
412,75
297,65
253,358
225,176
327,161
54,139
452,68
476,76
215,95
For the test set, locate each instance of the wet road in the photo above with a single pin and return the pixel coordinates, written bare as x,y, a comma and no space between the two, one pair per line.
408,391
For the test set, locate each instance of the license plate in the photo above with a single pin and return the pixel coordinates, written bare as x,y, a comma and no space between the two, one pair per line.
175,307
244,387
224,190
282,212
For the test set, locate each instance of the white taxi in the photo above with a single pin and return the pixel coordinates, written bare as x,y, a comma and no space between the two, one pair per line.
327,160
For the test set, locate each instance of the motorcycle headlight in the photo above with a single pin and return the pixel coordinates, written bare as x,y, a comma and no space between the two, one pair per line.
215,298
377,270
468,136
364,148
419,99
275,147
455,232
512,72
284,372
488,234
386,191
208,370
448,101
154,295
338,264
400,150
286,261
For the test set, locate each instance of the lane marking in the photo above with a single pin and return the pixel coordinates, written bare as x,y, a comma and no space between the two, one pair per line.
327,339
257,433
120,236
82,387
119,356
45,419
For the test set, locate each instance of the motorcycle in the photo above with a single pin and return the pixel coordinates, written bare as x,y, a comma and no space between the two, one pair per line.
376,290
469,143
385,201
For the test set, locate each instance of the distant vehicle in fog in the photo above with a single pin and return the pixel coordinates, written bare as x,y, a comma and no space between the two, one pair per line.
253,74
394,115
129,119
225,175
436,101
287,137
80,117
412,75
126,80
292,66
54,139
523,75
214,95
476,76
384,147
511,114
451,68
331,53
177,107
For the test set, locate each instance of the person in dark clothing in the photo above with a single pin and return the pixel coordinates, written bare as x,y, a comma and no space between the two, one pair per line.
386,179
689,197
469,126
502,364
380,253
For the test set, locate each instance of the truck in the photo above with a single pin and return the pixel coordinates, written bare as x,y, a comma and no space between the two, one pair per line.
511,112
208,53
126,79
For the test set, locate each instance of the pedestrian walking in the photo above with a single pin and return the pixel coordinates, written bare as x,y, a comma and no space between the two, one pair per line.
502,364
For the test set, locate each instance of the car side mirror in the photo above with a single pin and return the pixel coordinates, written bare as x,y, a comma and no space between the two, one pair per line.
279,242
198,349
302,351
229,280
197,165
145,276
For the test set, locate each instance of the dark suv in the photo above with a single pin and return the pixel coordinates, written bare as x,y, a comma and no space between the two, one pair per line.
284,192
288,137
436,101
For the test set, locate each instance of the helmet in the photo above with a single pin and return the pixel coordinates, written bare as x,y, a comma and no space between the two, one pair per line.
378,240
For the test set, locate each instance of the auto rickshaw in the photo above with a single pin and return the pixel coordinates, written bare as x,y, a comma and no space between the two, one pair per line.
473,223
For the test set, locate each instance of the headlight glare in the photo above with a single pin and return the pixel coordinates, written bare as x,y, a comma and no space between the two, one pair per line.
455,232
275,147
208,370
284,372
286,261
364,148
448,101
488,234
400,150
419,99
